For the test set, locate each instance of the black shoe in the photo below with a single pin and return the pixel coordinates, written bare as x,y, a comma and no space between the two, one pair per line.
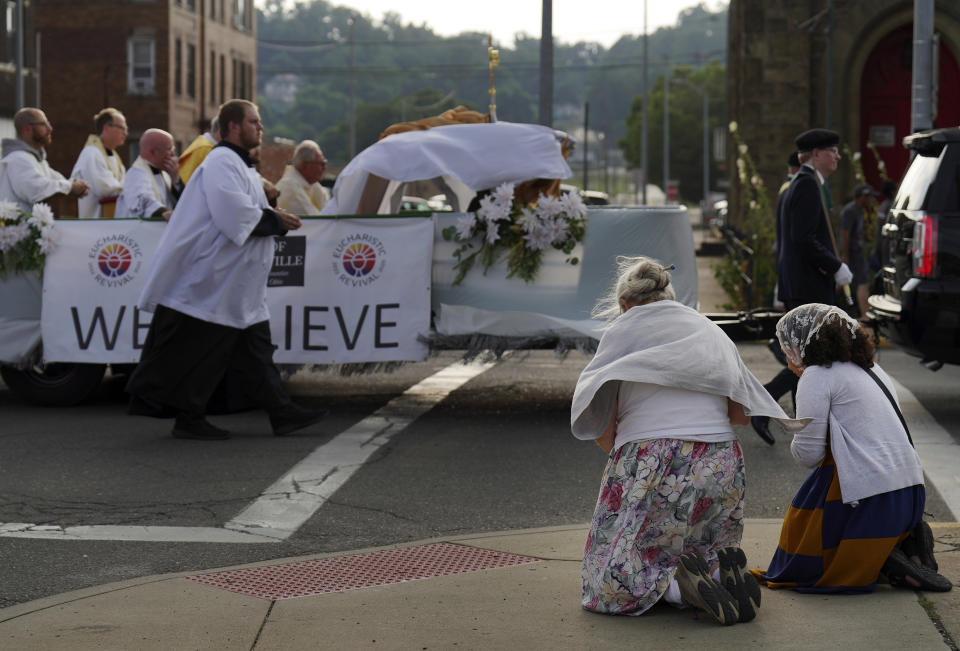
898,567
290,418
761,425
920,544
197,427
739,582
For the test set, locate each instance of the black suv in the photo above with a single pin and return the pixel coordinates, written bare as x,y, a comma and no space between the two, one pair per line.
920,253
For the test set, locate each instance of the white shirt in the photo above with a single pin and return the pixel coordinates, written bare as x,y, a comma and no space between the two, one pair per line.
27,179
868,443
649,411
298,196
207,264
144,192
104,174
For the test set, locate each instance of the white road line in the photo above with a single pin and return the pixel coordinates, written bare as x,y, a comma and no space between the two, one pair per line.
939,451
291,500
129,533
294,498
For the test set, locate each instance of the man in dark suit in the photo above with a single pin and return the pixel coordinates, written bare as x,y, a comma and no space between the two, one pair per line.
808,269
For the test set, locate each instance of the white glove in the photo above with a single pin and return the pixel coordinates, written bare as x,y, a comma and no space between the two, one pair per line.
843,276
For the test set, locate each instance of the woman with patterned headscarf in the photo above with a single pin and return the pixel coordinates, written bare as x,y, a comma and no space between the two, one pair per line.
859,513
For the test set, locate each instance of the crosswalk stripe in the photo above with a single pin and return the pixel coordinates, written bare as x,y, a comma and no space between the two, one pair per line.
293,499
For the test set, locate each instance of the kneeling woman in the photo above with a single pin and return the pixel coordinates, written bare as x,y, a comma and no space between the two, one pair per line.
845,524
660,396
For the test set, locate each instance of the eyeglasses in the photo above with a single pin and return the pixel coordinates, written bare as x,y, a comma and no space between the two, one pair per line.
122,127
38,124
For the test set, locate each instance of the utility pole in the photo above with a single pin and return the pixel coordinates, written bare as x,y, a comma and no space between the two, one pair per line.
586,139
828,95
666,129
921,113
353,92
546,64
643,122
19,45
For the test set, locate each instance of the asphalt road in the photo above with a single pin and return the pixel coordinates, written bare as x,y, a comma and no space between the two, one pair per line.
495,454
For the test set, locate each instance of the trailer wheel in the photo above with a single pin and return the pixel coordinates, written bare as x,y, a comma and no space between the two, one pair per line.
57,385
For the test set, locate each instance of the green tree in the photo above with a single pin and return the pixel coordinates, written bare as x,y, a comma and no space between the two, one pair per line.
686,126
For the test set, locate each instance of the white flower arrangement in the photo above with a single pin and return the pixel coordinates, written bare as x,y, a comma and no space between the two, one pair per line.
502,227
26,238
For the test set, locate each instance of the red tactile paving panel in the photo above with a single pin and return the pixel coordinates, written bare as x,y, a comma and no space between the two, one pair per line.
305,578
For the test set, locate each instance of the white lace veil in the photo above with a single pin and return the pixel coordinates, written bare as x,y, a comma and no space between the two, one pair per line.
798,327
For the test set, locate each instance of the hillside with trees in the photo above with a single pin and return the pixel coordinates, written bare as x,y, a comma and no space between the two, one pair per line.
317,59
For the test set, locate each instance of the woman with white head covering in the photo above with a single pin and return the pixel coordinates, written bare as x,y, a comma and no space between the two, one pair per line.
661,396
845,525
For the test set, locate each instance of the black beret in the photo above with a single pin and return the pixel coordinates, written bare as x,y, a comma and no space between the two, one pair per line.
817,139
794,160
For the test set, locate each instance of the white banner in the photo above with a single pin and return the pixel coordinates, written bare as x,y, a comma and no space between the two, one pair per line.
341,291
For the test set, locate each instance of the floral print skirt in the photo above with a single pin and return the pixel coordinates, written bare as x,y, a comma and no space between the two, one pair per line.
660,498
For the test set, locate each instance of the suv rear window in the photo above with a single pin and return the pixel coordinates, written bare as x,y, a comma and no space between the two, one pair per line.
917,181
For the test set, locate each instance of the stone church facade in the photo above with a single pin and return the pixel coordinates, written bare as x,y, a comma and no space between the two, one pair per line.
785,75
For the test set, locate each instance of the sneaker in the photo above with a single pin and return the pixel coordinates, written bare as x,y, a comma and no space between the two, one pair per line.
738,582
898,567
923,536
700,590
197,427
761,425
290,418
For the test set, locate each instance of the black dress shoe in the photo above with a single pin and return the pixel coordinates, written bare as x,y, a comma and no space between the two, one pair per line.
898,567
290,418
197,427
761,425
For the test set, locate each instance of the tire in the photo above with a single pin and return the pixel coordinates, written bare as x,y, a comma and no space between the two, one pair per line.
56,385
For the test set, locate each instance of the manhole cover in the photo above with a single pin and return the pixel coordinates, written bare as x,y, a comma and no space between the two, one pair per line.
305,578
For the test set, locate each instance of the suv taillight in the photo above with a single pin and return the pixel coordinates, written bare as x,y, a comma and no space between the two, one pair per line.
925,247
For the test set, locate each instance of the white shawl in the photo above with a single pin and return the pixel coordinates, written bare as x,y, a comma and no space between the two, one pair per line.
668,344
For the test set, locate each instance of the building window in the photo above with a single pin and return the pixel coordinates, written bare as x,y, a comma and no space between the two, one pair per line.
177,67
213,78
223,12
223,78
240,14
141,67
213,9
192,5
191,70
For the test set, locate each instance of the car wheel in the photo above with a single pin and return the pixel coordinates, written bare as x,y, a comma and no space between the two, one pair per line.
57,385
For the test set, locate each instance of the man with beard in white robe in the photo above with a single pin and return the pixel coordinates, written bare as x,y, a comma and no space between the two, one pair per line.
207,290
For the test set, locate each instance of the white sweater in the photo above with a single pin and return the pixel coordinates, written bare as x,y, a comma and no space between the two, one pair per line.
869,445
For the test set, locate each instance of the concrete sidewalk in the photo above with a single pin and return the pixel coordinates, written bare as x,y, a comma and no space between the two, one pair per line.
532,601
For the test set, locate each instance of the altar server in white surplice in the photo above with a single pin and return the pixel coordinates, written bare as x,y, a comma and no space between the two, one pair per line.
100,166
148,190
207,291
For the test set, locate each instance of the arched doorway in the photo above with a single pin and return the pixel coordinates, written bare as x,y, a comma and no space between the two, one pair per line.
885,101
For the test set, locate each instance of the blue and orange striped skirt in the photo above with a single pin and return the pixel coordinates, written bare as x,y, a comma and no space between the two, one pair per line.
828,546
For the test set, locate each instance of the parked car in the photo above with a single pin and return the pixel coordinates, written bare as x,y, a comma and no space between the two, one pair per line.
919,309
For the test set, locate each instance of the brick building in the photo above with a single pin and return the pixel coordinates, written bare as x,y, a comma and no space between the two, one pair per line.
164,63
783,65
10,24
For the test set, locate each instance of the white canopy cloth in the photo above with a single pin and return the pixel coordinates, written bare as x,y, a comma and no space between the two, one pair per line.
671,345
479,156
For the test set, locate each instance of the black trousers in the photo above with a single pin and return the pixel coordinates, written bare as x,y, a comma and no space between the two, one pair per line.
184,361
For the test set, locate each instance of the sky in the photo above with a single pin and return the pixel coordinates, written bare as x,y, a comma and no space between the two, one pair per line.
602,21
